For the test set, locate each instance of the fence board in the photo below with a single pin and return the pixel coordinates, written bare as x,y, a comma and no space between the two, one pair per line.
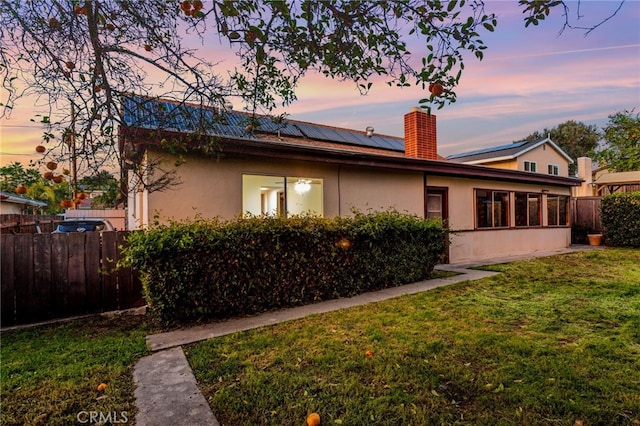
109,277
7,283
42,275
77,286
26,305
129,284
60,275
94,280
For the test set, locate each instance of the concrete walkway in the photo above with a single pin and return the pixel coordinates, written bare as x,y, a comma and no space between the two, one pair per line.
166,389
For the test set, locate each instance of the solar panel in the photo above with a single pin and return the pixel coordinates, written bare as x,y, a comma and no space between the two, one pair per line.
488,150
158,114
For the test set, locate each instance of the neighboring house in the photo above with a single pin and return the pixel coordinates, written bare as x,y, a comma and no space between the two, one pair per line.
538,156
600,181
280,168
17,204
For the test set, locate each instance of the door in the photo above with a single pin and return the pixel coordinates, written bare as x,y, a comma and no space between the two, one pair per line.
436,202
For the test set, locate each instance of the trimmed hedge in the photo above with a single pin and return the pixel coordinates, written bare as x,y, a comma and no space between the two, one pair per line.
620,214
204,269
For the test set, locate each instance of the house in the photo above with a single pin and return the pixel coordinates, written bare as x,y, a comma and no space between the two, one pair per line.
287,167
537,156
17,204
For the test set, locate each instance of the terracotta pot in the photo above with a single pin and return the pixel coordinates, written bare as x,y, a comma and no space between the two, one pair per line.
595,239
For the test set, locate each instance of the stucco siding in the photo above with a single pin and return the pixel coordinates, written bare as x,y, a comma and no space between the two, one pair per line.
210,188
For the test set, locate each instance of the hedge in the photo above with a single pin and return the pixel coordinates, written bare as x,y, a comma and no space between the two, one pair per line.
620,214
217,269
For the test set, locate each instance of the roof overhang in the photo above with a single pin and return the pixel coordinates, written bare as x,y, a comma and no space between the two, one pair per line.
621,178
285,150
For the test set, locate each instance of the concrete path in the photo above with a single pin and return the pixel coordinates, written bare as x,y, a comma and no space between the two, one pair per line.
167,392
166,389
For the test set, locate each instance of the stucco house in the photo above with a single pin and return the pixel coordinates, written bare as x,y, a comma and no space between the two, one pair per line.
265,166
537,156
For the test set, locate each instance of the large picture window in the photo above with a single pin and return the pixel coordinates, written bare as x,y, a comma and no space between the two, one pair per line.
558,210
281,195
528,209
492,209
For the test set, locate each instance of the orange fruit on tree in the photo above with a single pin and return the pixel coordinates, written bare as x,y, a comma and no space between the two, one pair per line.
148,47
57,179
48,175
82,196
313,419
70,65
21,189
40,149
52,165
436,89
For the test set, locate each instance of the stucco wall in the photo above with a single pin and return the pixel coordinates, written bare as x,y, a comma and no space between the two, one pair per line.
544,155
211,188
470,244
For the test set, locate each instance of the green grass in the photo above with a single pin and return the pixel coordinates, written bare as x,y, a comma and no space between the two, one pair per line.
549,341
50,373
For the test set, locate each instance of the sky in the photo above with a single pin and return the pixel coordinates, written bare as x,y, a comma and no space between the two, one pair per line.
530,79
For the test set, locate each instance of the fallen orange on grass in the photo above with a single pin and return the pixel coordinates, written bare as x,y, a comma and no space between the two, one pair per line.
102,387
369,354
313,419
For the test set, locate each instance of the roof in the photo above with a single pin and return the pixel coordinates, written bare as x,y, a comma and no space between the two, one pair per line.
504,152
157,120
621,178
148,113
7,197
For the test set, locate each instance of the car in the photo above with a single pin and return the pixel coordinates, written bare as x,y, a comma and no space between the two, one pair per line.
83,225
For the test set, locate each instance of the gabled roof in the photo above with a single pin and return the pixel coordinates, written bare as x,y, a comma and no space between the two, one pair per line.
146,113
504,152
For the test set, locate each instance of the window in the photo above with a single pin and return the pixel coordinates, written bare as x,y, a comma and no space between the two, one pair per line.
530,166
554,169
492,209
528,209
558,210
281,195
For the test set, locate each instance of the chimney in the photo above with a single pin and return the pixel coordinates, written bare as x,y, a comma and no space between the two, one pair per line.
585,173
420,139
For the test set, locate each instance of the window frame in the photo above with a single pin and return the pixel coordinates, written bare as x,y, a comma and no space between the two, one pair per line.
558,210
529,196
280,195
553,169
492,219
530,166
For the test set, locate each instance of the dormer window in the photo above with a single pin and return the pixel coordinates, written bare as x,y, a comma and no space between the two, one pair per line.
530,166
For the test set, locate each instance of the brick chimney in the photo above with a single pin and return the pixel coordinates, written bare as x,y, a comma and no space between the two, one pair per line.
420,139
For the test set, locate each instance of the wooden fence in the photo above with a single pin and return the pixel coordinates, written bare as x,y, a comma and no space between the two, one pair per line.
585,213
48,276
27,223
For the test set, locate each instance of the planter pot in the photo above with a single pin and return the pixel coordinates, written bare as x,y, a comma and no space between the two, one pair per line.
595,239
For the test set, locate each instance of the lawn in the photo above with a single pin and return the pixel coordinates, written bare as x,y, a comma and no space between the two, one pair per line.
49,375
552,341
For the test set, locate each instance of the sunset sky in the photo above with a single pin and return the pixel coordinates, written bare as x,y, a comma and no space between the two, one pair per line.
529,79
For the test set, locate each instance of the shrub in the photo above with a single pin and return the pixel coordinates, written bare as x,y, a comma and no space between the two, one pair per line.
620,214
221,269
